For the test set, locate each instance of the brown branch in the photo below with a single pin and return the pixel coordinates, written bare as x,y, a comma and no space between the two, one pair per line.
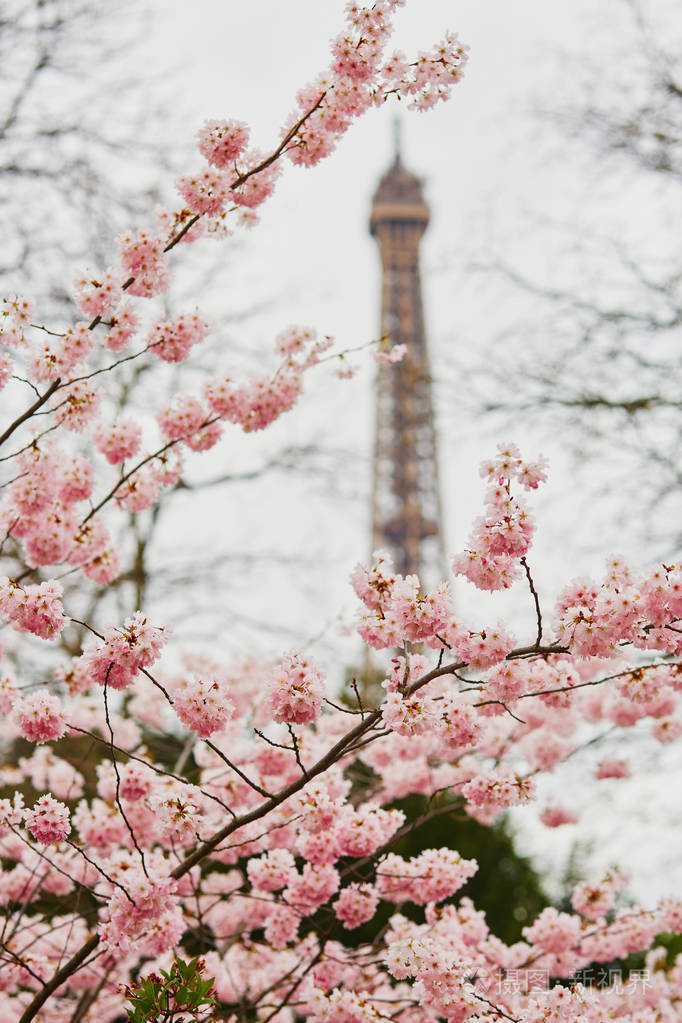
67,970
233,767
29,411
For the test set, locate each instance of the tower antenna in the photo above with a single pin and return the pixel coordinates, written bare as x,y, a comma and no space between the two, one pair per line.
397,141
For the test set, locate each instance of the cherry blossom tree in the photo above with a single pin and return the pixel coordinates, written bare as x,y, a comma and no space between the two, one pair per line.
73,139
222,885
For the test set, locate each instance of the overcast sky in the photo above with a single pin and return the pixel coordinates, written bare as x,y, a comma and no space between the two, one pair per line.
493,168
495,171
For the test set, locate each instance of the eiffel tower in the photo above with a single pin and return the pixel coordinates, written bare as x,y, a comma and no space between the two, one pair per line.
406,509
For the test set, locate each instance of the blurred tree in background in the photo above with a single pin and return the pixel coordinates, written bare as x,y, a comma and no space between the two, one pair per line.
596,355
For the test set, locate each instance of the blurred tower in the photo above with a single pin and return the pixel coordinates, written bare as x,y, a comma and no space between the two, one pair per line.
406,513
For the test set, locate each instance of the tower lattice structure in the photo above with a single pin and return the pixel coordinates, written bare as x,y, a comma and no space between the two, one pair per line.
406,515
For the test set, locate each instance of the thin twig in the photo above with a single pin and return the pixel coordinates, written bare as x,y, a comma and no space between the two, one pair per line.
233,767
536,600
118,776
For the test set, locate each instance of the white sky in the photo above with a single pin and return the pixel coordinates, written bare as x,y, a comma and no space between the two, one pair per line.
490,168
492,172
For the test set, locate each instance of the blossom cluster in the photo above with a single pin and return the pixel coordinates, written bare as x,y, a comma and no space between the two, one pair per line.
593,618
116,661
399,611
202,706
502,537
35,608
296,814
296,690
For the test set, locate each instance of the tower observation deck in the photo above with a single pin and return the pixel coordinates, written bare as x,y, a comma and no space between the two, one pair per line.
406,511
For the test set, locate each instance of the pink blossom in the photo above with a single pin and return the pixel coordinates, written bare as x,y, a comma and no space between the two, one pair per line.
99,824
505,533
182,418
206,437
48,821
281,927
205,192
498,789
458,726
667,729
8,693
183,226
485,572
11,333
89,541
58,358
39,717
507,681
202,706
344,1007
256,405
179,813
20,310
47,540
12,812
430,877
123,325
553,931
356,905
295,341
272,871
171,341
35,608
481,649
164,933
119,441
296,689
670,913
76,480
258,186
555,816
320,804
221,142
6,366
166,467
48,771
75,407
320,847
361,832
136,644
410,716
37,485
98,297
311,889
142,257
139,491
133,913
613,768
420,615
374,586
386,356
402,677
136,781
596,900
